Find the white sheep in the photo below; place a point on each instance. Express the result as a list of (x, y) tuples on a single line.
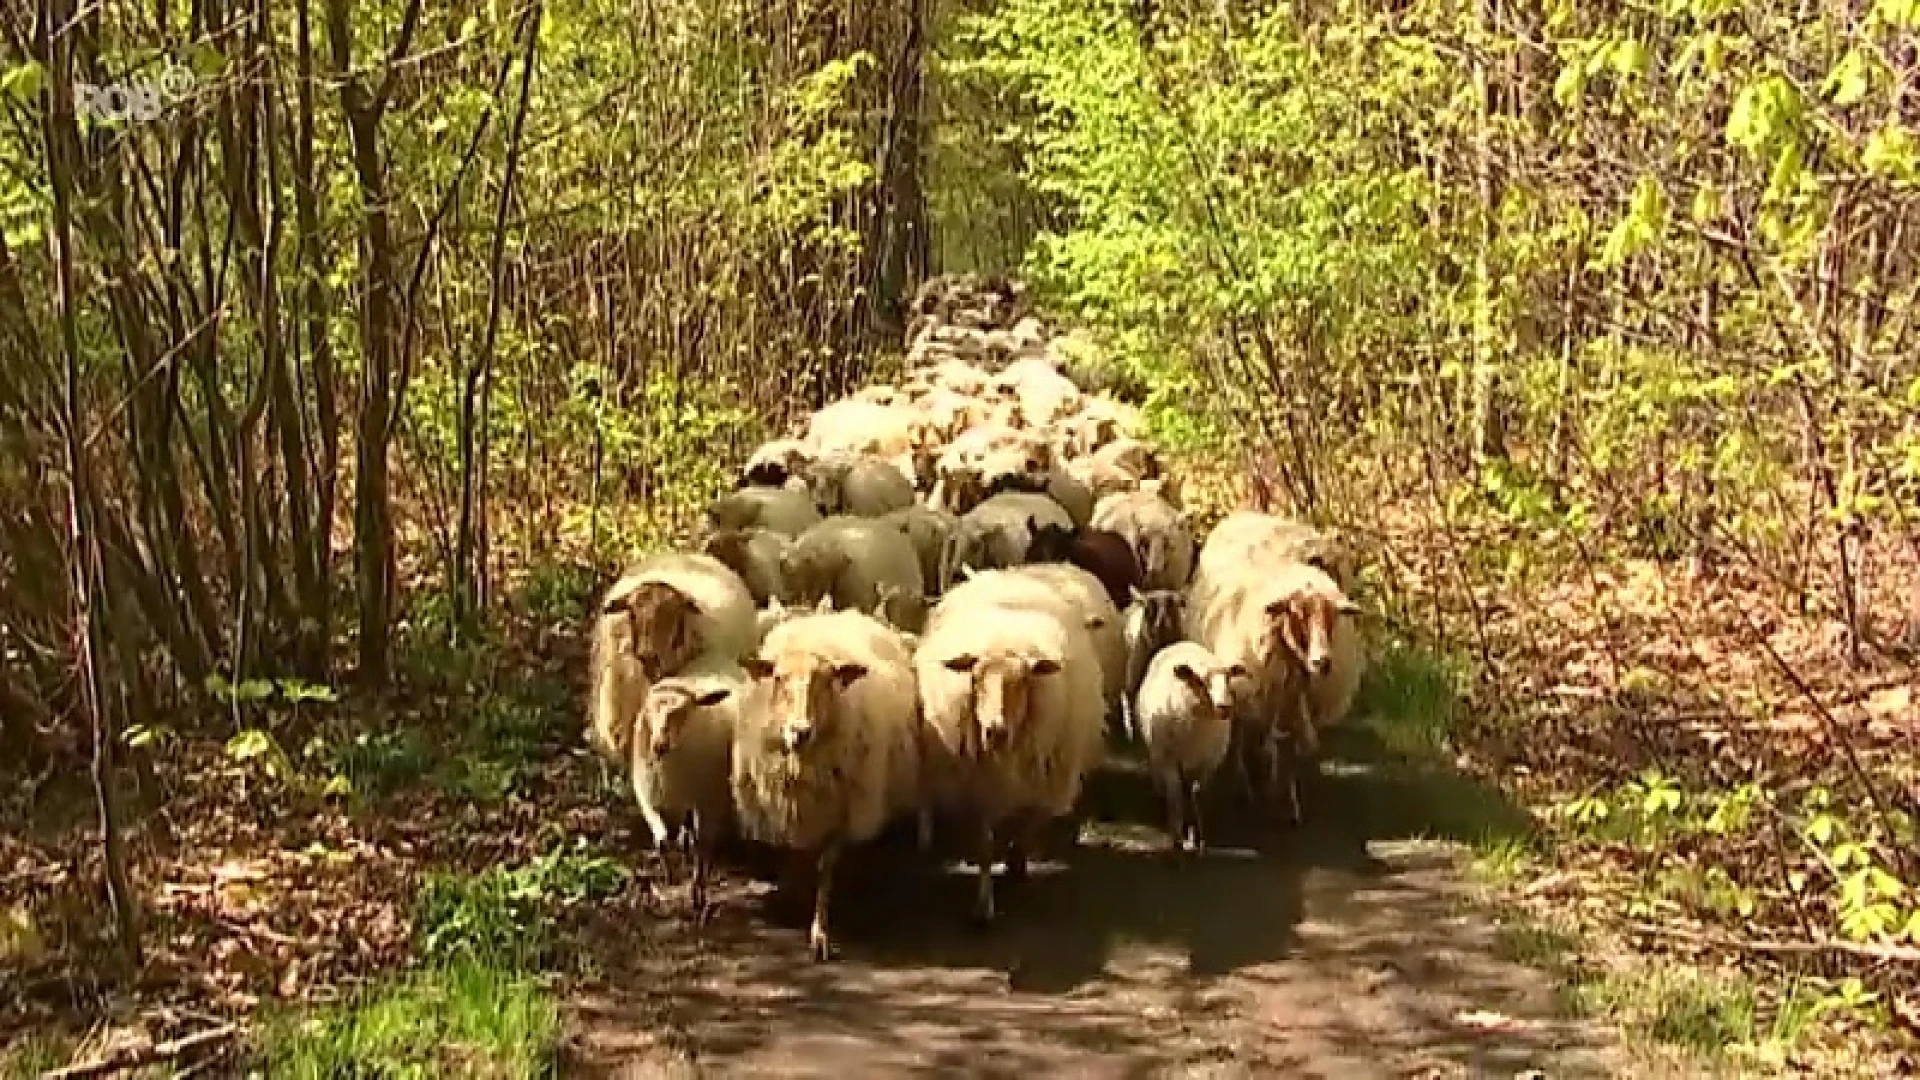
[(1282, 623), (1158, 533), (857, 484), (681, 757), (1252, 538), (1010, 698), (831, 750), (862, 564), (1184, 710), (851, 426), (785, 510), (656, 619)]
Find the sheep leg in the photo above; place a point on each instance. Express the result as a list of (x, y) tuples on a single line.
[(1026, 839), (822, 893), (702, 837), (1176, 827), (983, 912), (1198, 828)]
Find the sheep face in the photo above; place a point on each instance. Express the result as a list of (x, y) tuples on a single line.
[(1002, 693), (1302, 624), (664, 715), (801, 696), (1214, 686), (660, 628)]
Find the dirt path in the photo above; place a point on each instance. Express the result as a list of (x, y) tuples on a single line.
[(1347, 953)]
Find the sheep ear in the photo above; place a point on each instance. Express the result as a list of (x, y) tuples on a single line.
[(825, 605), (713, 697), (962, 663), (1278, 608), (1186, 674), (1046, 665), (848, 674), (758, 666)]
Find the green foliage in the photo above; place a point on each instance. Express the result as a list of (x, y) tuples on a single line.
[(1411, 696), (498, 917), (464, 1018)]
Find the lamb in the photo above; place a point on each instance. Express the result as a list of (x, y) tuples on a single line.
[(655, 620), (1010, 699), (773, 463), (1149, 623), (1280, 622), (681, 757), (1158, 534), (929, 531), (1103, 554), (1184, 711), (754, 554), (862, 564), (785, 510), (857, 484), (830, 752)]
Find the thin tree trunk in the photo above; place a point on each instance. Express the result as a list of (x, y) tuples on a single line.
[(62, 143), (468, 587)]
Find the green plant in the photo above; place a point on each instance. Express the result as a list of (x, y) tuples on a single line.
[(497, 916)]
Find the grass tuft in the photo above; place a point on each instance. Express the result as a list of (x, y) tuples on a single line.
[(466, 1019)]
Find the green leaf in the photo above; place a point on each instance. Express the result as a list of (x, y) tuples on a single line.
[(22, 82), (1572, 83), (1763, 112), (1901, 13), (1848, 82), (249, 744), (1891, 154), (254, 690), (1630, 58)]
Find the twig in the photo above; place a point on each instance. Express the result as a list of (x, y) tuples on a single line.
[(131, 1057), (1890, 954)]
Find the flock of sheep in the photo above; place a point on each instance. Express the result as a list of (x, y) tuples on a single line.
[(939, 603)]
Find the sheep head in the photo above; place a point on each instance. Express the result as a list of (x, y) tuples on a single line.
[(1002, 693), (1213, 686), (775, 462), (803, 686), (664, 714), (1050, 542), (1160, 612), (808, 571), (1302, 618), (662, 635)]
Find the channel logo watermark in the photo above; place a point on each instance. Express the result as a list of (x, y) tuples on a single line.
[(137, 101)]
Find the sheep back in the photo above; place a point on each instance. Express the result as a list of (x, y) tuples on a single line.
[(785, 510), (862, 564)]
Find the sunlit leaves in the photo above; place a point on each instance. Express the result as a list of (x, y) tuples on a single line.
[(1764, 112), (22, 82), (1893, 154), (1849, 80), (1645, 220)]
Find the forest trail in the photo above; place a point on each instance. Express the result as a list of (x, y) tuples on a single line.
[(1347, 951)]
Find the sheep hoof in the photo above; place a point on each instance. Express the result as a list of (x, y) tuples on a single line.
[(819, 946)]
